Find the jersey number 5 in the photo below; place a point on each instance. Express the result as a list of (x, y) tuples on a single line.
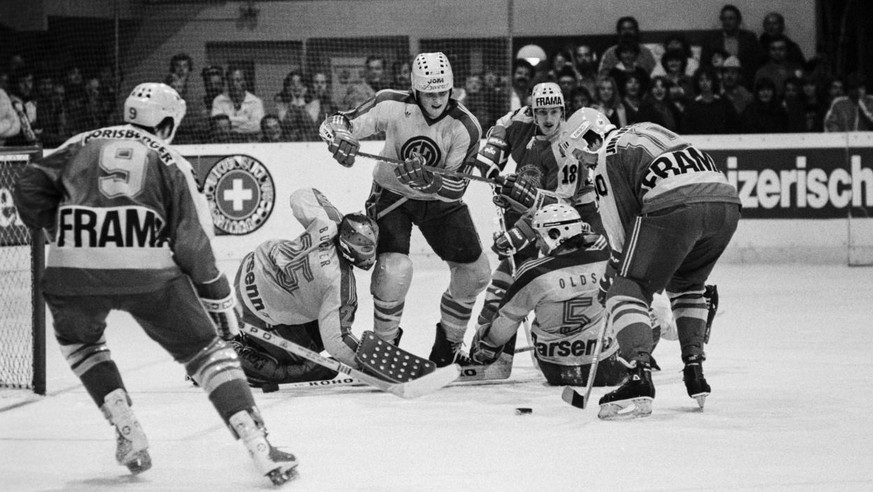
[(125, 163)]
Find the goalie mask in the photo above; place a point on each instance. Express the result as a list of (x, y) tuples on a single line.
[(557, 223), (581, 133), (149, 104), (544, 97), (432, 72), (356, 239)]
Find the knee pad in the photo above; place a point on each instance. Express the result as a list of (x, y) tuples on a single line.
[(469, 279), (215, 365), (392, 276)]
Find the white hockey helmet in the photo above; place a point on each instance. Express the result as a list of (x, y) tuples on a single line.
[(581, 130), (357, 238), (556, 223), (150, 103), (546, 95), (432, 72)]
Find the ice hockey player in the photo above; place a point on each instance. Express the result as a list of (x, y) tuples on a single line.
[(530, 136), (304, 290), (129, 231), (561, 288), (423, 126), (669, 214)]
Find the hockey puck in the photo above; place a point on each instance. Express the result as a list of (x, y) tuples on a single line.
[(523, 411)]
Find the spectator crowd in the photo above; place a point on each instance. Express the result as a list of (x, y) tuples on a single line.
[(740, 83)]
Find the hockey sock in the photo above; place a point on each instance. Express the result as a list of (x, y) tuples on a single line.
[(454, 315), (386, 317), (500, 282), (231, 397), (690, 311), (632, 326), (100, 380)]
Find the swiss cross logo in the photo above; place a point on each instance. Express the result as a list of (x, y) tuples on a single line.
[(424, 146), (241, 194)]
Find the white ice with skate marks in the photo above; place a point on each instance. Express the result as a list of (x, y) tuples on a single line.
[(788, 361)]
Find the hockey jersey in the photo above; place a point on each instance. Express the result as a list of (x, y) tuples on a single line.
[(450, 141), (562, 292), (292, 282), (123, 213), (643, 168)]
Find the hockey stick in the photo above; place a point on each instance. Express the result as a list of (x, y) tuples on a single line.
[(569, 394), (435, 170), (410, 389)]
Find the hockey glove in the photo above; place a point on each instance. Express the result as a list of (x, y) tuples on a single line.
[(515, 239), (608, 277), (413, 174), (492, 158), (482, 351), (344, 147), (218, 300), (512, 192)]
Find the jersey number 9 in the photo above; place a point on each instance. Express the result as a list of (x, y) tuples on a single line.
[(125, 162)]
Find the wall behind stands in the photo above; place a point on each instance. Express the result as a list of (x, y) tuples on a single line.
[(797, 191)]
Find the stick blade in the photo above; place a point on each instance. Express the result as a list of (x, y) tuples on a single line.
[(570, 396), (430, 382)]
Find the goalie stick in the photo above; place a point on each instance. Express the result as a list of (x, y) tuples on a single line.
[(569, 394), (410, 389), (435, 170)]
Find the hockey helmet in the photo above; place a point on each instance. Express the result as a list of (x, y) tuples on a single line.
[(582, 129), (150, 103), (546, 95), (357, 238), (555, 224), (432, 72)]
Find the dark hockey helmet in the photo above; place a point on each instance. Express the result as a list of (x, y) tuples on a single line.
[(357, 239)]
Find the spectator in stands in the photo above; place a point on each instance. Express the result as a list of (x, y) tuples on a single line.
[(374, 74), (181, 65), (735, 41), (402, 75), (708, 113), (4, 80), (579, 98), (732, 87), (678, 43), (814, 109), (93, 111), (560, 60), (244, 109), (474, 98), (10, 125), (292, 107), (566, 79), (682, 89), (853, 112), (21, 96), (774, 27), (522, 80), (496, 96), (51, 118), (778, 68), (321, 104), (794, 104), (628, 54), (634, 89), (585, 62), (356, 94), (213, 84), (220, 129), (271, 129), (75, 98), (836, 88), (628, 30), (764, 114), (657, 106), (608, 101), (293, 93)]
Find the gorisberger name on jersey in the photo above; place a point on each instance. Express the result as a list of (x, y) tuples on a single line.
[(116, 227)]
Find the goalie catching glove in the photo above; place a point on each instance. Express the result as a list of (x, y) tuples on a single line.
[(519, 237), (412, 173), (218, 300), (492, 158), (340, 141), (514, 193)]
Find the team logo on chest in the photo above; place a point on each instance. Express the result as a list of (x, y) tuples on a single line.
[(424, 146), (241, 194)]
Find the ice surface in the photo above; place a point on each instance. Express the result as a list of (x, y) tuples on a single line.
[(789, 363)]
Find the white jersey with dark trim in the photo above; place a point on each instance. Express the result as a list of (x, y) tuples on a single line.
[(450, 141), (643, 168)]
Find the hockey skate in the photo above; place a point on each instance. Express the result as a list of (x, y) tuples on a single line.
[(633, 398), (278, 466), (131, 444), (695, 383), (445, 352)]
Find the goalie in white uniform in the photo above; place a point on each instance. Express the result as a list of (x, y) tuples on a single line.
[(561, 288), (304, 290), (423, 126)]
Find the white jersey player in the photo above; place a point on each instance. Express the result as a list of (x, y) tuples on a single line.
[(423, 126), (304, 290)]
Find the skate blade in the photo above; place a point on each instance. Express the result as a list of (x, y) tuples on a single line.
[(701, 399), (625, 409), (138, 462), (280, 476)]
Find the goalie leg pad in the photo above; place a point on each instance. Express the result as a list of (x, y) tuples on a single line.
[(381, 358)]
